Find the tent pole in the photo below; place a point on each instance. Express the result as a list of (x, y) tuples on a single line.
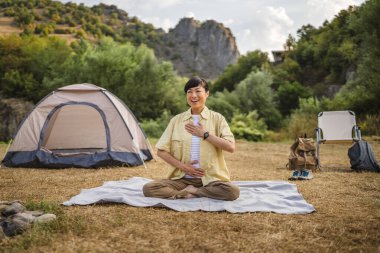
[(151, 150), (6, 151), (138, 152)]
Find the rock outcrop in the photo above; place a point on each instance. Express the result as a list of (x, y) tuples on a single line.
[(197, 48), (12, 111)]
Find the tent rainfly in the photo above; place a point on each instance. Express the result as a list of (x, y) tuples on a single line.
[(80, 125)]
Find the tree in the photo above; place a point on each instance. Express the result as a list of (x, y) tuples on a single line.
[(133, 74), (366, 85), (288, 95), (255, 93), (28, 63), (235, 73)]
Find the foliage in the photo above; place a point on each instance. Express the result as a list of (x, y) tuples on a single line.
[(31, 67), (304, 120), (26, 64), (235, 73), (226, 103), (134, 74), (255, 93), (155, 128), (288, 95), (248, 126), (325, 54), (98, 21), (362, 93), (370, 125)]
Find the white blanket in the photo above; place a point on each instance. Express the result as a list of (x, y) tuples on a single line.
[(255, 196)]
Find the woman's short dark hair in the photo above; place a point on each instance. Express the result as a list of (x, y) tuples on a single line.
[(194, 82)]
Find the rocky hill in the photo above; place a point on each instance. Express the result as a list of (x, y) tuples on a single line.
[(192, 46), (199, 48)]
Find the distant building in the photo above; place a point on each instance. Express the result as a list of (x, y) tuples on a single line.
[(278, 56)]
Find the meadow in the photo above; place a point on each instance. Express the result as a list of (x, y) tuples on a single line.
[(347, 217)]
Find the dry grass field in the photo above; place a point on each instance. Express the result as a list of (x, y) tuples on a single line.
[(347, 217)]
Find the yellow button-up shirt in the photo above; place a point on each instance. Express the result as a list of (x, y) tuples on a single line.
[(177, 141)]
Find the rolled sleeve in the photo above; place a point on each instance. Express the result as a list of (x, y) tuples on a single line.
[(225, 131)]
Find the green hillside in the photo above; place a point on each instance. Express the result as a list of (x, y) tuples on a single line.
[(46, 17)]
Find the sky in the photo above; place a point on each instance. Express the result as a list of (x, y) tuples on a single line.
[(263, 24)]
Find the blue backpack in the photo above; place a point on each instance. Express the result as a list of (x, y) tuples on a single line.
[(362, 157)]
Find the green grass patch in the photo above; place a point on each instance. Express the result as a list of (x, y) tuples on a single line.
[(47, 207)]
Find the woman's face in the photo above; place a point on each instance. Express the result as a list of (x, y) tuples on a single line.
[(196, 98)]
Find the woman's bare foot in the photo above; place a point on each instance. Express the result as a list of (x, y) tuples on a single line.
[(191, 190)]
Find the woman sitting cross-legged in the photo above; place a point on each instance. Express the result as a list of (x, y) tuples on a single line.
[(193, 144)]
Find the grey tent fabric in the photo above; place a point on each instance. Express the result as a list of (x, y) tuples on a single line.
[(255, 196)]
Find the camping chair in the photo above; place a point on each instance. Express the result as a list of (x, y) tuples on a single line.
[(336, 127)]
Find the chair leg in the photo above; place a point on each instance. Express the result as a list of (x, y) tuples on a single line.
[(318, 158)]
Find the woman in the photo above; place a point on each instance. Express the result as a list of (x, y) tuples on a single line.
[(193, 145)]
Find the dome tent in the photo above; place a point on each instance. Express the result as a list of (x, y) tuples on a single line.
[(80, 125)]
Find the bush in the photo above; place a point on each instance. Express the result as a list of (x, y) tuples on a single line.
[(155, 128), (255, 93), (248, 126), (304, 120), (226, 103), (370, 125), (288, 95)]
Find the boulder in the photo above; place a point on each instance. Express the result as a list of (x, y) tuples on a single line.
[(12, 111), (24, 217), (45, 218), (12, 227), (35, 213), (14, 208)]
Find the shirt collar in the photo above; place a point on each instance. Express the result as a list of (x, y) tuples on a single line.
[(204, 114)]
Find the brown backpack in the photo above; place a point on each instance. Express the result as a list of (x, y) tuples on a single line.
[(302, 155)]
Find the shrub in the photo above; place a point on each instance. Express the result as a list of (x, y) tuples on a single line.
[(370, 125), (304, 120), (155, 128), (248, 126)]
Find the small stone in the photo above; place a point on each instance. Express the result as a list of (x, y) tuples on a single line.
[(35, 213), (12, 227), (24, 217), (45, 218), (13, 209), (2, 202)]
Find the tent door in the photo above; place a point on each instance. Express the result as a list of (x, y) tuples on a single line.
[(75, 129)]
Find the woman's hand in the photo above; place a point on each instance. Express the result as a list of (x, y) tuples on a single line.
[(190, 170), (195, 130), (213, 139)]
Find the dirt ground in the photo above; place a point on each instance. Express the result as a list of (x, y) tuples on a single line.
[(347, 217)]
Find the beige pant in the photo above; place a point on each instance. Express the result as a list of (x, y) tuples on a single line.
[(173, 189)]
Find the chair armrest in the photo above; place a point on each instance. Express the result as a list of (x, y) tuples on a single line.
[(318, 134), (357, 133)]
